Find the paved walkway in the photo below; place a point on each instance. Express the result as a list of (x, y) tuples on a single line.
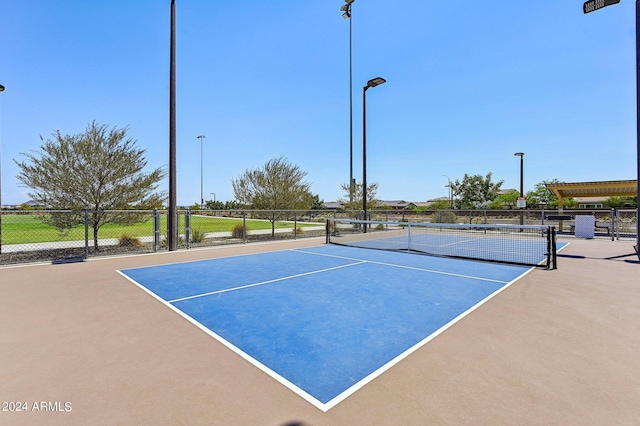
[(83, 346)]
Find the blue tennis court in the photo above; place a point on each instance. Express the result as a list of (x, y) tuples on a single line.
[(326, 320)]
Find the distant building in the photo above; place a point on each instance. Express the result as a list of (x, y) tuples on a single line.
[(396, 204), (333, 205)]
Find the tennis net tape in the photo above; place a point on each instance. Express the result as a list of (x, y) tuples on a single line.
[(529, 245)]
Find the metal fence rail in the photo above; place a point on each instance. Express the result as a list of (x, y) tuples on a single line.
[(58, 236), (47, 235)]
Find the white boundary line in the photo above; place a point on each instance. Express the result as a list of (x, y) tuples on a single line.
[(324, 407), (350, 391), (318, 404), (264, 282), (433, 271)]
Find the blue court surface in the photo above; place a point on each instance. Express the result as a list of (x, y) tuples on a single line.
[(326, 320)]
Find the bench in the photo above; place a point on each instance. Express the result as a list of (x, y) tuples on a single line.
[(559, 217)]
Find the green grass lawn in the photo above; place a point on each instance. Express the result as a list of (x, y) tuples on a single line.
[(22, 229)]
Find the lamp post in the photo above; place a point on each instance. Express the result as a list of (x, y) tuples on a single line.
[(450, 191), (590, 6), (201, 173), (172, 220), (371, 83), (346, 9), (521, 155)]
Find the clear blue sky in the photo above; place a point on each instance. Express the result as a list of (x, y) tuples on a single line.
[(469, 83)]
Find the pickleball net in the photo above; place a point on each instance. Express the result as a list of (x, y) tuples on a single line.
[(529, 245)]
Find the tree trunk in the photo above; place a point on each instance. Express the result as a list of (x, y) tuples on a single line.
[(95, 238)]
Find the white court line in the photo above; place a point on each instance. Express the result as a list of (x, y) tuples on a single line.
[(363, 382), (271, 373), (405, 267), (264, 282), (324, 407)]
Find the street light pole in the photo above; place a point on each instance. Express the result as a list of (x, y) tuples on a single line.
[(371, 83), (201, 173), (346, 8), (521, 155), (172, 220), (450, 191)]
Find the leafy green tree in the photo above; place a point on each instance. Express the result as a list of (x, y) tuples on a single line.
[(275, 187), (541, 196), (234, 205), (475, 191), (99, 170), (620, 202), (436, 205), (354, 193), (316, 202), (227, 205), (214, 205), (509, 200)]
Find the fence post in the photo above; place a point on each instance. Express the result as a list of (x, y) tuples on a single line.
[(86, 233), (244, 226), (613, 223), (295, 224), (156, 230), (327, 230), (187, 228)]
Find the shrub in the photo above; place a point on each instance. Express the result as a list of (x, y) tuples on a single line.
[(444, 217), (238, 231), (197, 235), (126, 240), (379, 227), (165, 243), (298, 231)]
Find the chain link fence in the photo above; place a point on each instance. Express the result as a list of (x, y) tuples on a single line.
[(63, 236), (613, 224)]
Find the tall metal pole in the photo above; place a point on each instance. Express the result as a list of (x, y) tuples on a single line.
[(172, 220), (351, 181), (346, 8), (201, 173), (521, 155), (522, 176), (371, 83), (450, 191), (364, 154)]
